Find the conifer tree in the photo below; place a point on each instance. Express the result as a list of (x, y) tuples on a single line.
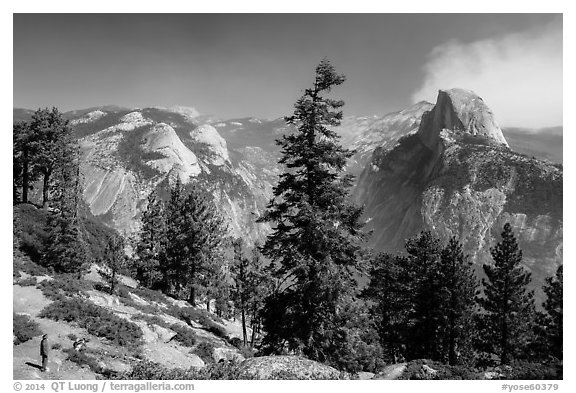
[(554, 310), (53, 143), (192, 257), (151, 244), (458, 293), (316, 236), (23, 152), (390, 296), (65, 249), (114, 260), (425, 282), (508, 305), (240, 270)]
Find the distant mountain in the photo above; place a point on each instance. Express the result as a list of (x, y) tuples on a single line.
[(545, 144), (447, 167), (457, 176), (126, 154)]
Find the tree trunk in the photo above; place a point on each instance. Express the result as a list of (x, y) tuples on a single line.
[(25, 178), (192, 297), (45, 191), (244, 327), (112, 282), (254, 327)]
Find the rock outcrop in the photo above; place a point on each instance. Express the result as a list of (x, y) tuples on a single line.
[(462, 112), (457, 176), (288, 367), (126, 155)]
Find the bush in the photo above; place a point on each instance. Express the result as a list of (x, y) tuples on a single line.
[(247, 352), (212, 327), (24, 328), (72, 337), (57, 346), (205, 350), (529, 370), (415, 370), (27, 282), (97, 320), (147, 370), (151, 320), (64, 285), (184, 335), (83, 359)]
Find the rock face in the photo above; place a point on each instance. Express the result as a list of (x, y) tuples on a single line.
[(289, 367), (457, 176), (128, 154), (463, 113), (365, 134)]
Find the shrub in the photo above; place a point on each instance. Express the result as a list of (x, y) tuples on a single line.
[(415, 370), (72, 337), (57, 346), (184, 335), (151, 320), (97, 320), (205, 351), (147, 370), (64, 285), (529, 370), (24, 328), (212, 327), (247, 352), (27, 282), (83, 359)]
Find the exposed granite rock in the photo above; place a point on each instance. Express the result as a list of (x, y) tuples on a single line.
[(290, 367), (457, 176)]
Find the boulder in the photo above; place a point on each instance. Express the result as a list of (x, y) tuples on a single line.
[(287, 367), (226, 354)]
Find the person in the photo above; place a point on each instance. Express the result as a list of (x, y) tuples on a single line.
[(44, 352), (79, 344)]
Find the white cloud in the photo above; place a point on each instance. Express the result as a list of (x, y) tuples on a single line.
[(519, 76)]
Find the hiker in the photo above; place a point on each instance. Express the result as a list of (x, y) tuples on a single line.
[(79, 344), (44, 352)]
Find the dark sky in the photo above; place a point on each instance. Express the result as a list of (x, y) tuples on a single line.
[(235, 65)]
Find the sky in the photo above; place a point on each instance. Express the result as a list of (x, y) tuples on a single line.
[(239, 65)]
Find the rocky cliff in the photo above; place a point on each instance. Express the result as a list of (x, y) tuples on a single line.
[(457, 176), (127, 154)]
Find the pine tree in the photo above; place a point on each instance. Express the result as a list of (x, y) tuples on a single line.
[(151, 243), (389, 294), (192, 256), (317, 233), (241, 293), (508, 305), (425, 282), (114, 261), (53, 142), (458, 293), (23, 152), (554, 310), (65, 249)]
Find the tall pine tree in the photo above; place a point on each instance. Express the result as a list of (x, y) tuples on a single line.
[(66, 249), (53, 143), (315, 242), (508, 304), (554, 310), (114, 260), (459, 289), (151, 243)]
